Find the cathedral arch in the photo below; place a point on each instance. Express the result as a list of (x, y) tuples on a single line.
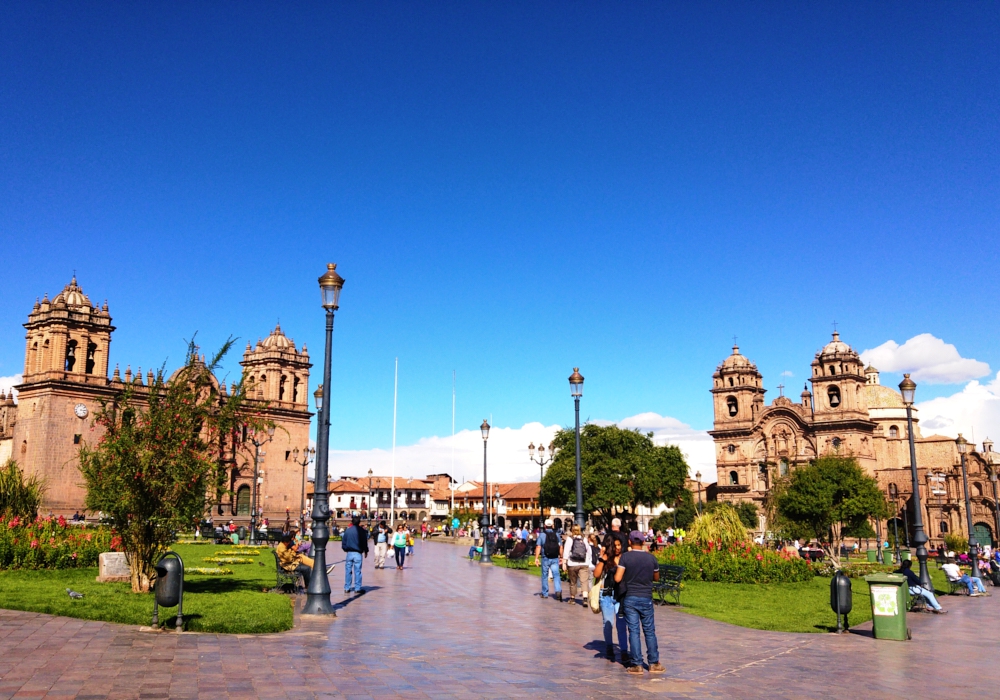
[(833, 395), (733, 405), (70, 361), (734, 478)]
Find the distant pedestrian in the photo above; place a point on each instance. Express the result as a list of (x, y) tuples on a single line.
[(607, 565), (381, 537), (576, 561), (637, 569), (399, 546), (355, 543), (548, 552)]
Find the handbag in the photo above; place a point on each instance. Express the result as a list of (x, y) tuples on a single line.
[(594, 597)]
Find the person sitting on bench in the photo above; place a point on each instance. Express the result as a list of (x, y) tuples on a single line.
[(294, 561), (955, 575), (913, 581)]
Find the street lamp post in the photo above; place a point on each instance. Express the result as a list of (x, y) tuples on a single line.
[(541, 461), (894, 495), (307, 456), (576, 391), (257, 454), (963, 447), (908, 388), (485, 557), (988, 449), (697, 475), (318, 593), (369, 511)]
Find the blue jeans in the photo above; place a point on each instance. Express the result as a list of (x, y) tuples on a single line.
[(352, 572), (550, 565), (304, 571), (926, 595), (609, 611), (400, 555), (640, 610), (974, 584)]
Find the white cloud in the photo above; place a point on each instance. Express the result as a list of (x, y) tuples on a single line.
[(787, 373), (974, 411), (508, 451), (7, 383), (927, 358)]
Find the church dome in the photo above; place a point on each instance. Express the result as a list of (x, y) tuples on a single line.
[(72, 295), (883, 397), (278, 340), (836, 346), (737, 361)]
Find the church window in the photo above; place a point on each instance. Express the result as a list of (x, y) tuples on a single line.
[(783, 468), (734, 478), (834, 394), (91, 357), (730, 381), (734, 407), (893, 431), (977, 490), (70, 356), (295, 390), (281, 388), (288, 454), (944, 527), (77, 438), (831, 369), (732, 449), (243, 500), (33, 360), (836, 443)]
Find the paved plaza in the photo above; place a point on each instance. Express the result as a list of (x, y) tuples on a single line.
[(449, 628)]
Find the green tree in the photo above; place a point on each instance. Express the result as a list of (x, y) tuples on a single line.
[(158, 457), (20, 495), (745, 510), (621, 470), (830, 498)]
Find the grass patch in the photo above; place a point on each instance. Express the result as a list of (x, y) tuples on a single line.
[(234, 603)]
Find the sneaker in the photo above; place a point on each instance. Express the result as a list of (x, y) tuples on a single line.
[(558, 596), (940, 611), (975, 595), (610, 656), (361, 591), (544, 596), (657, 668), (634, 670), (347, 591)]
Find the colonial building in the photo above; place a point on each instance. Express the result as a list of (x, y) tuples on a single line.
[(67, 357), (842, 410)]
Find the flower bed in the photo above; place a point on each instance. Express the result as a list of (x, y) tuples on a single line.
[(853, 569), (51, 543), (740, 563), (228, 560), (208, 571), (238, 553)]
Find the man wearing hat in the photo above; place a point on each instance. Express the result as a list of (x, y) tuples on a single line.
[(637, 569)]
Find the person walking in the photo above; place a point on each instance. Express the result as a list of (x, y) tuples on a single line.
[(607, 565), (381, 538), (637, 569), (355, 542), (576, 562), (399, 546), (547, 555)]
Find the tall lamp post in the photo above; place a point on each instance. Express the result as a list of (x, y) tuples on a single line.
[(541, 461), (697, 475), (988, 449), (369, 511), (308, 454), (318, 593), (894, 495), (908, 388), (257, 454), (576, 391), (485, 557), (963, 448)]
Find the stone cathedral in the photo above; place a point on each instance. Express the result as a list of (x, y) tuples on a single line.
[(843, 409), (67, 357)]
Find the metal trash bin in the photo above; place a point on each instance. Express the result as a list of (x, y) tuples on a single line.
[(242, 533), (872, 555), (841, 598), (169, 587), (889, 598)]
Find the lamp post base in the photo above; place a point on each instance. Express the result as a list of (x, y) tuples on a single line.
[(318, 606)]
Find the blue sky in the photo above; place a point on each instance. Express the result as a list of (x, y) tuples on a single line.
[(510, 189)]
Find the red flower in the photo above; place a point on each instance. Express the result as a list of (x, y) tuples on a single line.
[(760, 557), (34, 544)]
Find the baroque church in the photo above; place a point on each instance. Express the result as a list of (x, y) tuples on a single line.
[(844, 410), (65, 378)]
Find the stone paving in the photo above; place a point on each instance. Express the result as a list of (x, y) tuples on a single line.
[(446, 627)]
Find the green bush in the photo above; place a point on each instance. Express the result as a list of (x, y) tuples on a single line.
[(50, 543), (20, 495), (740, 563), (955, 542), (853, 569)]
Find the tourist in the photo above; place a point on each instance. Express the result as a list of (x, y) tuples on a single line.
[(913, 581), (355, 542), (293, 561), (547, 554), (381, 538), (576, 562), (973, 583), (409, 541), (423, 531), (399, 546), (610, 607), (595, 553), (637, 569), (616, 530)]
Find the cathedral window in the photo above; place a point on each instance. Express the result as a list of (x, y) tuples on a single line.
[(281, 388), (944, 527), (731, 449), (91, 357), (783, 468), (734, 407), (893, 431), (834, 394), (295, 390), (730, 381), (836, 443), (831, 369), (734, 478), (70, 356)]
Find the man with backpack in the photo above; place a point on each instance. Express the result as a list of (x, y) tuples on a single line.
[(576, 561), (549, 549)]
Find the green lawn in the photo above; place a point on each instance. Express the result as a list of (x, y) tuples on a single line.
[(234, 604), (785, 607)]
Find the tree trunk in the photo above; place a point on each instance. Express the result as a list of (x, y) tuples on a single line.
[(140, 563)]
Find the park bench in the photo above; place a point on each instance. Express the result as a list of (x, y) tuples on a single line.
[(518, 558), (669, 583), (284, 578)]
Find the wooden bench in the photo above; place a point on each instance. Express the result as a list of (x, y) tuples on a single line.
[(284, 578), (669, 583)]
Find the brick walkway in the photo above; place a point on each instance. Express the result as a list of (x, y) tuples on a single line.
[(446, 627)]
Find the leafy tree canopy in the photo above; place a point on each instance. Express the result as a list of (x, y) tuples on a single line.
[(621, 470)]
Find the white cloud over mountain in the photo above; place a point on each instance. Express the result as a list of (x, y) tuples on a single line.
[(974, 411), (508, 451), (927, 358)]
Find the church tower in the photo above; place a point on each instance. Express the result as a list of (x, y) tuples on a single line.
[(737, 392)]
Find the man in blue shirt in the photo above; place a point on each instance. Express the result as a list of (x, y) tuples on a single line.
[(355, 543), (549, 549)]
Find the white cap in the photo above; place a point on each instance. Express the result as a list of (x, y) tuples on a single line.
[(549, 522), (616, 522)]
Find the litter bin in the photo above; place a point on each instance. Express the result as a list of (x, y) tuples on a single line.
[(872, 555), (888, 596), (242, 533), (904, 554), (169, 587)]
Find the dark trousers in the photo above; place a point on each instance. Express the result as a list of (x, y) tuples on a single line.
[(400, 555), (304, 571)]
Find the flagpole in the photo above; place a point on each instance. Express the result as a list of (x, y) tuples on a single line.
[(451, 479), (392, 488)]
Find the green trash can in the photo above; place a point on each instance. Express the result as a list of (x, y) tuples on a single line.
[(889, 598), (872, 556), (904, 554)]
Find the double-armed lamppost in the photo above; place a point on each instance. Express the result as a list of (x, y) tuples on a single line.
[(576, 391), (963, 448), (541, 461), (318, 593), (257, 454), (485, 557), (908, 388), (308, 453)]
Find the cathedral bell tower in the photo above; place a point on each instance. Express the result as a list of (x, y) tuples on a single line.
[(838, 380), (737, 392)]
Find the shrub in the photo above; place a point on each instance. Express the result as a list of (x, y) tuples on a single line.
[(49, 543), (739, 563), (956, 542), (20, 495), (853, 569), (721, 527)]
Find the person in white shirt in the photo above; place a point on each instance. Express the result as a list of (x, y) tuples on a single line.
[(974, 584), (576, 561)]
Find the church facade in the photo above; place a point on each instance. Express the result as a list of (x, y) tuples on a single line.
[(66, 377), (844, 410)]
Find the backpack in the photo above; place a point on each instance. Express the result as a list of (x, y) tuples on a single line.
[(578, 552), (551, 547)]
